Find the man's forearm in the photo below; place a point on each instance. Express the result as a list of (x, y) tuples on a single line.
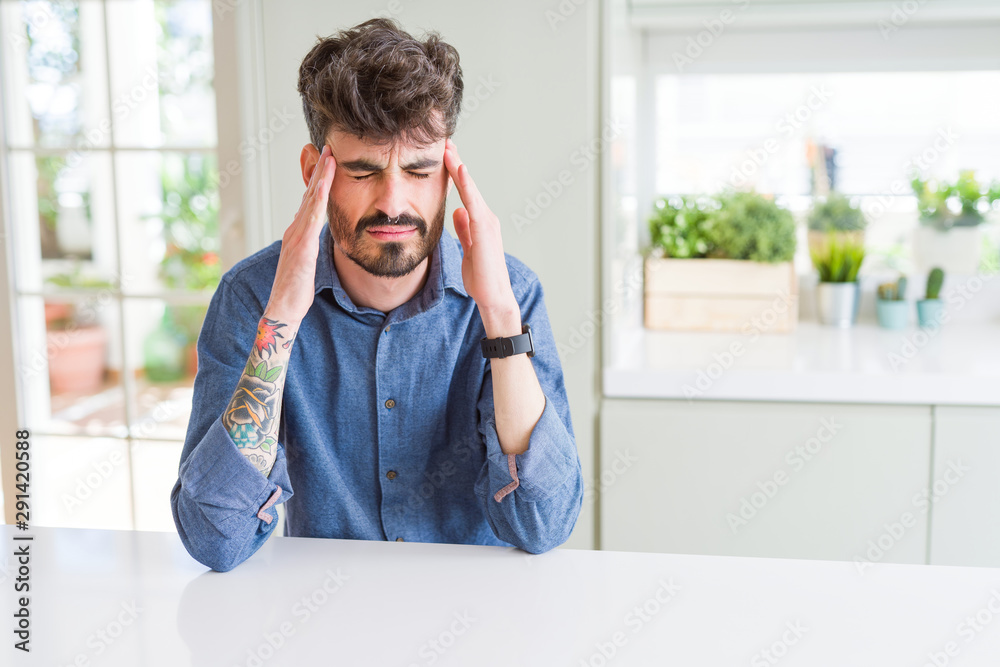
[(518, 400), (253, 414)]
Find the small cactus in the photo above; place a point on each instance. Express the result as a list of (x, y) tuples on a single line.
[(893, 291), (935, 279)]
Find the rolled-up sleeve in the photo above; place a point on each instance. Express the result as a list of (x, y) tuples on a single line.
[(223, 507), (532, 500)]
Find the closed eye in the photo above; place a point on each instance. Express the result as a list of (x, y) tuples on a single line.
[(412, 173)]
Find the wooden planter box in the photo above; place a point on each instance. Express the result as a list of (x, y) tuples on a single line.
[(720, 295)]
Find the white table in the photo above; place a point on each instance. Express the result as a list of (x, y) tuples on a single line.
[(407, 603)]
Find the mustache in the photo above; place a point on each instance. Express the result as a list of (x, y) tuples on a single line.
[(382, 220)]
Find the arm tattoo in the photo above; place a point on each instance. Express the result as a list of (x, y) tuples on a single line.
[(252, 416)]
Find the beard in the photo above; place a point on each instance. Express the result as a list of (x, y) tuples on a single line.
[(385, 259)]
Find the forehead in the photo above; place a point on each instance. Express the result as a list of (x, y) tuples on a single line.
[(347, 146)]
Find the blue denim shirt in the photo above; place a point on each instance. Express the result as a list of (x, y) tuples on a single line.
[(427, 469)]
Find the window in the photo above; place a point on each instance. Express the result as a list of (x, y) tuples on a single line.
[(865, 133), (697, 106), (110, 141)]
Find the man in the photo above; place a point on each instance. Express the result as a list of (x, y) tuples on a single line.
[(369, 401)]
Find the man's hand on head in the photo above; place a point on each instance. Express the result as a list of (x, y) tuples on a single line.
[(294, 280), (484, 267)]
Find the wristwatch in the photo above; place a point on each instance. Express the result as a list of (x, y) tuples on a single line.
[(498, 348)]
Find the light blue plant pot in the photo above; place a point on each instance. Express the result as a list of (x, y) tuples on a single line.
[(930, 312), (892, 314)]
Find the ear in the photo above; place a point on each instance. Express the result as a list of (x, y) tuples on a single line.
[(308, 160)]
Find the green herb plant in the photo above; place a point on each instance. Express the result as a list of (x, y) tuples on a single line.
[(839, 259), (681, 226), (751, 226), (944, 205), (836, 213), (734, 225)]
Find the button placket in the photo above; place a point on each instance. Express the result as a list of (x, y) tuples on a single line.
[(387, 435)]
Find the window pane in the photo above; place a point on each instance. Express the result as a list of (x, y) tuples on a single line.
[(155, 463), (162, 70), (63, 219), (85, 482), (169, 208), (162, 340), (55, 73), (871, 129), (71, 364)]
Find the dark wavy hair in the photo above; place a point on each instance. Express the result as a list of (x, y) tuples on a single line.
[(380, 84)]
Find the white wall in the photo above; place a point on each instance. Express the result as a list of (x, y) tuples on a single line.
[(530, 127)]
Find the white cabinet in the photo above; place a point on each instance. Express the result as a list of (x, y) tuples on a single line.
[(965, 489), (825, 481)]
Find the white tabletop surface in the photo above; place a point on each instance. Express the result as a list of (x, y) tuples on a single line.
[(957, 364), (389, 603)]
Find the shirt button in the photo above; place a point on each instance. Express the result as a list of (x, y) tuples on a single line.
[(391, 474), (400, 539), (390, 404), (387, 328)]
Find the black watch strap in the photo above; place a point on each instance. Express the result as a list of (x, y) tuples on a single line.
[(498, 348)]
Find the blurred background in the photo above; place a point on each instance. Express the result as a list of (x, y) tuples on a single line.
[(721, 198)]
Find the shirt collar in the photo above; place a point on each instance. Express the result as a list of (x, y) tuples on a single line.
[(445, 271)]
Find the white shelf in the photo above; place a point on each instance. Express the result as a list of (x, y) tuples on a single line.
[(957, 365)]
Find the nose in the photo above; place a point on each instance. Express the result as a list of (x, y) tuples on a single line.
[(392, 193)]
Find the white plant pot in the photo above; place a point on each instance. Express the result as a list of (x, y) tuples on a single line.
[(837, 303), (956, 250)]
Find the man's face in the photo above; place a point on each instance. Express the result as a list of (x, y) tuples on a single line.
[(387, 203)]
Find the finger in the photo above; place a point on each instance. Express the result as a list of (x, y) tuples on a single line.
[(312, 176), (306, 204), (321, 189), (312, 210), (461, 219), (325, 180), (467, 189), (317, 172)]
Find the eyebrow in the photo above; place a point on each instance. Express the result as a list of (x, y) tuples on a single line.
[(363, 164)]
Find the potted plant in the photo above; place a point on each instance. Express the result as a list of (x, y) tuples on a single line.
[(835, 213), (75, 339), (930, 309), (164, 351), (679, 227), (190, 217), (949, 235), (718, 263), (890, 306), (750, 226), (838, 294)]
